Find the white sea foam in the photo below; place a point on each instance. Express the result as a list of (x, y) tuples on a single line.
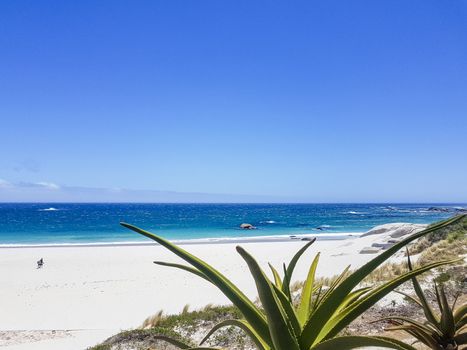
[(218, 240), (49, 209)]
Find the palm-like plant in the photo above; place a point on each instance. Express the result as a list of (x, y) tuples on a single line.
[(444, 331), (313, 324)]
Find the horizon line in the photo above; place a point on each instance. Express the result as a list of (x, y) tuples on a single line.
[(137, 202)]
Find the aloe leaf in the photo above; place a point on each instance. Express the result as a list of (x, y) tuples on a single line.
[(245, 326), (183, 267), (286, 283), (293, 262), (251, 313), (461, 323), (431, 340), (409, 297), (421, 336), (453, 306), (448, 325), (353, 297), (438, 298), (429, 314), (334, 284), (322, 296), (424, 327), (291, 267), (354, 342), (461, 339), (326, 309), (175, 342), (460, 313), (303, 309), (280, 327), (277, 278), (336, 324), (289, 310), (316, 299)]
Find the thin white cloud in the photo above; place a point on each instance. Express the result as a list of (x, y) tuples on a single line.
[(44, 191), (115, 189), (49, 185), (5, 184)]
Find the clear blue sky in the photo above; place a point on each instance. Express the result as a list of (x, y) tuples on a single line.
[(320, 101)]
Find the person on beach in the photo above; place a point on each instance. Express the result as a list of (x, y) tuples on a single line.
[(40, 263)]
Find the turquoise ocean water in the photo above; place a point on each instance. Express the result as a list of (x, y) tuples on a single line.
[(73, 223)]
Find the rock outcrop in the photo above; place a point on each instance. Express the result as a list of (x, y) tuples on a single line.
[(246, 226), (456, 210), (395, 230), (385, 236)]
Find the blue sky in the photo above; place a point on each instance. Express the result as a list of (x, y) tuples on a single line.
[(320, 101)]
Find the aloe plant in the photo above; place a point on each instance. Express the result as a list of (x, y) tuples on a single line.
[(446, 330), (313, 324)]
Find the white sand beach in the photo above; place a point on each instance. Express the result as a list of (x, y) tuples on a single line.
[(82, 295)]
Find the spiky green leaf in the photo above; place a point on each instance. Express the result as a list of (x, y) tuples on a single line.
[(245, 326), (303, 309), (288, 271), (429, 314), (175, 342), (184, 268), (280, 327), (355, 342), (277, 278)]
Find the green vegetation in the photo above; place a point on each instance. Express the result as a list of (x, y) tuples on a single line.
[(184, 327), (454, 233), (446, 330), (312, 323)]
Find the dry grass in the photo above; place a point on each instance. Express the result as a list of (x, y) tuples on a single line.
[(386, 272), (186, 309), (153, 321), (446, 249), (450, 233)]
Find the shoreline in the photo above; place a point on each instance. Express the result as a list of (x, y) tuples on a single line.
[(214, 240)]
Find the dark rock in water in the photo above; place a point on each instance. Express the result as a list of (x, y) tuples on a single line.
[(306, 239), (246, 226), (439, 210), (447, 210)]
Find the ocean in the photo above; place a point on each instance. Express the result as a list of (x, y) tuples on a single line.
[(77, 223)]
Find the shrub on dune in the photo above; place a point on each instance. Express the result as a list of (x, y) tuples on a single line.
[(446, 330)]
